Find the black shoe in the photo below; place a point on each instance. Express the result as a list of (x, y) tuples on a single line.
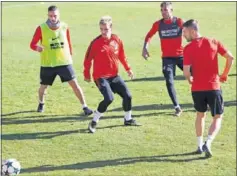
[(131, 122), (207, 150), (178, 112), (40, 107), (92, 126), (198, 151), (87, 111)]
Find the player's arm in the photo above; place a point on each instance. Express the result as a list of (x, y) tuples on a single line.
[(69, 41), (36, 38), (229, 62), (187, 65), (148, 37), (88, 62), (123, 60)]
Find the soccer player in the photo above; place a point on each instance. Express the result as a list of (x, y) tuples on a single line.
[(56, 57), (202, 55), (169, 29), (105, 52)]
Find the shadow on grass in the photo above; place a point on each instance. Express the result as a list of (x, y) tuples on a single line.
[(157, 78), (232, 74), (19, 112), (154, 107), (49, 135), (72, 118), (115, 162)]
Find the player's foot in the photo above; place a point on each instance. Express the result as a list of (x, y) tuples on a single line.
[(40, 107), (131, 122), (87, 111), (207, 150), (198, 151), (178, 112), (92, 126)]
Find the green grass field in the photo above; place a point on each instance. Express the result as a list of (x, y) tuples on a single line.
[(56, 143)]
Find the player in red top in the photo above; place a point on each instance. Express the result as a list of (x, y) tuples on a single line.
[(202, 55), (105, 52), (169, 29), (48, 74)]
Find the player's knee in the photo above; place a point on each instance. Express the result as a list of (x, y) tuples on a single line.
[(201, 114), (128, 97), (109, 100), (217, 116)]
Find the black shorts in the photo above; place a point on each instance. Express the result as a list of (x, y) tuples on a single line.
[(48, 74), (169, 65), (108, 86), (212, 98)]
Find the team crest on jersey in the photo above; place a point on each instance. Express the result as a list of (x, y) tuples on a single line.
[(114, 44)]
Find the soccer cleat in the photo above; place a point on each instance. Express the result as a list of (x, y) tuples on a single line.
[(87, 111), (92, 126), (40, 107), (178, 112), (207, 150), (131, 122), (198, 151)]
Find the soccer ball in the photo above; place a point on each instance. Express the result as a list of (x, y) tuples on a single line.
[(10, 167)]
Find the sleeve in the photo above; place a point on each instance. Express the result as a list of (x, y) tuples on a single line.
[(153, 30), (180, 23), (69, 41), (221, 49), (122, 57), (88, 61), (187, 56), (36, 38)]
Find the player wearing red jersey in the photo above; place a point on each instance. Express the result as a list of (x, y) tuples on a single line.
[(169, 29), (105, 52), (202, 55)]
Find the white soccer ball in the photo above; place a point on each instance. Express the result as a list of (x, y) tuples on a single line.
[(10, 167)]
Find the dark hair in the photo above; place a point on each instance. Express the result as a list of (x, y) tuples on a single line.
[(165, 3), (191, 23), (52, 8)]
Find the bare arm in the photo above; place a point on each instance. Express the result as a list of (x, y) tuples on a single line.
[(229, 61), (187, 73)]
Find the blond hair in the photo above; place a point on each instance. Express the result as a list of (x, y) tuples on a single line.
[(106, 20)]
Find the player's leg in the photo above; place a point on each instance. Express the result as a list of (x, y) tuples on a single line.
[(216, 105), (168, 71), (118, 86), (105, 89), (179, 63), (200, 105), (47, 76), (67, 74)]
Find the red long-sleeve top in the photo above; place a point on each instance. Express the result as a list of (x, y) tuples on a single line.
[(38, 37), (171, 47), (105, 54)]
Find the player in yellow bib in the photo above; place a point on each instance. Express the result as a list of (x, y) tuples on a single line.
[(56, 57)]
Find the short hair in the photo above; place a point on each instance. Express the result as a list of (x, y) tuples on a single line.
[(192, 24), (106, 20), (52, 8), (165, 3)]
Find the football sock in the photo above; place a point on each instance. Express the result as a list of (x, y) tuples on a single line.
[(128, 115), (84, 105), (97, 116), (200, 141)]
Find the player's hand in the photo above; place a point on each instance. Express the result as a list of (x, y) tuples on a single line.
[(223, 78), (39, 49), (145, 53), (87, 80), (190, 80), (130, 74)]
